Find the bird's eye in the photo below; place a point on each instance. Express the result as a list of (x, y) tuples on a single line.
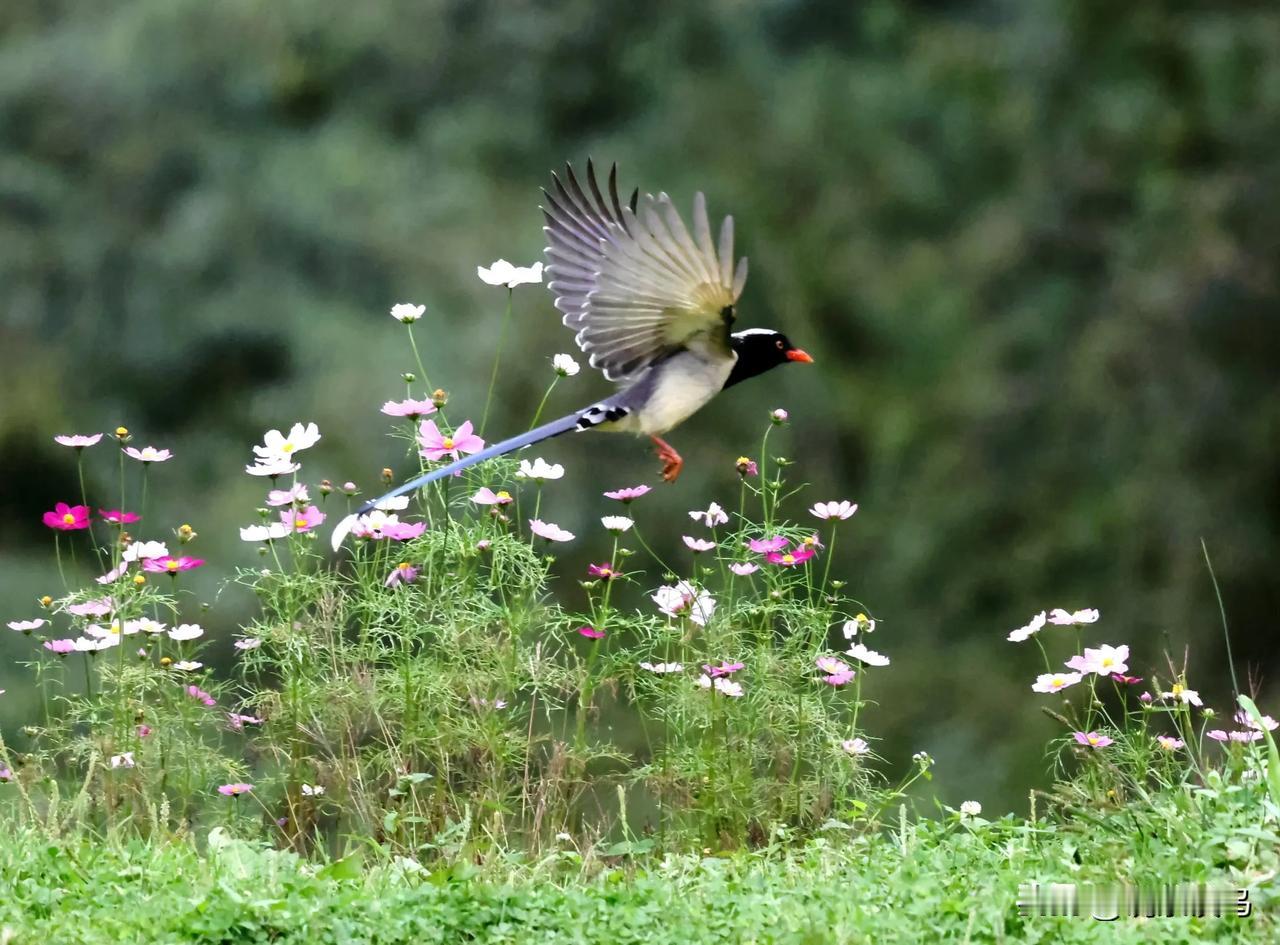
[(779, 344)]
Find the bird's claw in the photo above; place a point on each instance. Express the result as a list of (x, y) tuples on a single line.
[(672, 463)]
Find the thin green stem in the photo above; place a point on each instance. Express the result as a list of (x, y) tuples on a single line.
[(497, 360)]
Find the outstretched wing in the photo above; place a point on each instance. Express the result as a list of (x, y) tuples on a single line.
[(631, 280)]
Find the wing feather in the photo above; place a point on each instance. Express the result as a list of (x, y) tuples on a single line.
[(631, 279)]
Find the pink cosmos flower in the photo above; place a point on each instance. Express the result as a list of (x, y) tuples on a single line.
[(1218, 735), (831, 664), (144, 731), (1104, 660), (402, 573), (171, 565), (629, 494), (724, 669), (148, 454), (1245, 719), (697, 545), (5, 775), (763, 546), (235, 790), (296, 493), (25, 626), (1092, 739), (404, 531), (604, 571), (743, 568), (1055, 682), (1063, 618), (1168, 743), (747, 467), (789, 559), (302, 520), (591, 633), (77, 440), (195, 692), (99, 607), (486, 496), (236, 722), (67, 518), (855, 746), (116, 517), (435, 445), (248, 643), (549, 531), (61, 647), (829, 510), (413, 409), (1126, 680), (114, 574)]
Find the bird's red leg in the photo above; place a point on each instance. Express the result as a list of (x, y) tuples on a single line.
[(671, 461)]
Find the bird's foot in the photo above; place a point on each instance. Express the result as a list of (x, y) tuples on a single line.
[(671, 461)]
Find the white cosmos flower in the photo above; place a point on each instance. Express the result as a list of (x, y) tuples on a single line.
[(828, 510), (141, 550), (264, 532), (663, 667), (859, 624), (1027, 632), (722, 684), (407, 312), (312, 790), (616, 523), (278, 467), (503, 273), (26, 626), (539, 470), (186, 666), (277, 447), (684, 599), (970, 809), (713, 516), (88, 645), (124, 760), (186, 631), (1055, 682), (697, 545), (855, 746), (1062, 618), (147, 625), (564, 365), (859, 651)]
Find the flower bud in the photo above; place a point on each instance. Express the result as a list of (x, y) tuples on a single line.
[(46, 601), (350, 488), (325, 487), (387, 475), (779, 416), (165, 661), (122, 434), (439, 397), (408, 377), (139, 579), (186, 533)]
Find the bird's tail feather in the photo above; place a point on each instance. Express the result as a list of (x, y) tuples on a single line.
[(536, 435)]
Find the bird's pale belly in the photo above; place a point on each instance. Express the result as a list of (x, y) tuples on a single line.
[(685, 385)]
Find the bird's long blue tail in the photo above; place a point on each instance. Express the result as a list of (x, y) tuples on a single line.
[(536, 435)]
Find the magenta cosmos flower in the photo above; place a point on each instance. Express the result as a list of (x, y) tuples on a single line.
[(1092, 739), (148, 454), (435, 445), (67, 518), (789, 559), (762, 546), (413, 409), (302, 520), (235, 790), (724, 669), (629, 494), (76, 440), (117, 517), (402, 573), (591, 633), (604, 571), (171, 565)]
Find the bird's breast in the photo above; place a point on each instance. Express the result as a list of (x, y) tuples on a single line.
[(680, 386)]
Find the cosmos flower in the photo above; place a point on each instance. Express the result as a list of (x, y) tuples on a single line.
[(762, 546), (302, 520), (186, 666), (112, 629), (114, 574), (549, 531), (123, 760), (377, 525), (722, 685), (831, 664), (539, 470), (1103, 660), (1218, 735), (724, 669), (859, 624), (99, 607), (1092, 739), (591, 633), (279, 447), (867, 657), (402, 573), (617, 524), (67, 518), (248, 643), (503, 273), (147, 625), (269, 532), (684, 599), (1061, 618), (141, 550), (1180, 693), (486, 496), (743, 568), (711, 517), (1169, 743), (93, 645), (435, 445), (148, 454), (61, 647), (662, 668), (170, 565), (1126, 680), (1034, 626), (779, 416), (295, 493), (603, 571), (407, 312), (1245, 719), (186, 631), (828, 510), (564, 365), (789, 559), (630, 494), (855, 746), (76, 440), (970, 809), (117, 517), (746, 467), (1055, 682), (195, 692), (25, 626), (312, 790), (413, 409), (697, 545), (273, 468), (235, 790)]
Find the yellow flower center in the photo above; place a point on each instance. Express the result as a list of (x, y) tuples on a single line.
[(69, 519), (1107, 661), (1177, 689), (122, 431), (115, 628), (139, 579), (171, 565), (504, 495), (404, 565), (1059, 681), (447, 443), (300, 523), (286, 447), (788, 558), (1093, 739)]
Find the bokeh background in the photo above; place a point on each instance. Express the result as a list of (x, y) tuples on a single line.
[(1033, 245)]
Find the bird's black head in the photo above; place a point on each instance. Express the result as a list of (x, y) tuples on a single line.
[(759, 350)]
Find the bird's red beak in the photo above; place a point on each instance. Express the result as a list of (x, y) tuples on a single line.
[(795, 354)]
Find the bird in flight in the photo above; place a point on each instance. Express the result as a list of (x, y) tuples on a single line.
[(653, 306)]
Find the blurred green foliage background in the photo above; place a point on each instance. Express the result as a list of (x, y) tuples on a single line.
[(1033, 245)]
